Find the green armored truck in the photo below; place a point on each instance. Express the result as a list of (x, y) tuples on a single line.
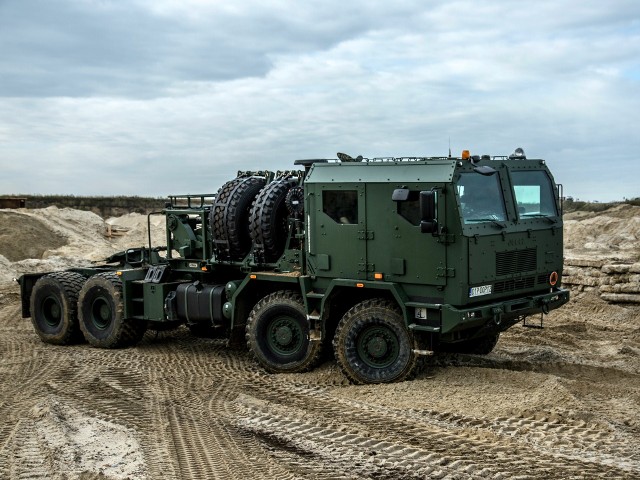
[(381, 261)]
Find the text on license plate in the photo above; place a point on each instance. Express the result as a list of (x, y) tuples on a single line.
[(478, 291)]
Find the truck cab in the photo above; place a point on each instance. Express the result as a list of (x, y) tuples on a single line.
[(469, 246)]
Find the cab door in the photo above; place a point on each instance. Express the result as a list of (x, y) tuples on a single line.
[(336, 231), (396, 247)]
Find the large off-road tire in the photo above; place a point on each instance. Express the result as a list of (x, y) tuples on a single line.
[(101, 314), (216, 216), (372, 344), (54, 307), (229, 217), (269, 218), (277, 334), (477, 346)]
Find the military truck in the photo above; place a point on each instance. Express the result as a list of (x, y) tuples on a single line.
[(380, 261)]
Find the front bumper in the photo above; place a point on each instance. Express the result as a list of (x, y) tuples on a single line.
[(501, 314)]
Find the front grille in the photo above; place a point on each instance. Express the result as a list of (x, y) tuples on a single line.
[(516, 261), (513, 285), (543, 278)]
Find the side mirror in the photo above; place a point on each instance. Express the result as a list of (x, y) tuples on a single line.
[(428, 221)]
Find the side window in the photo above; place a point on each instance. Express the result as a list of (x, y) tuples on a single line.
[(410, 208), (534, 193), (341, 205)]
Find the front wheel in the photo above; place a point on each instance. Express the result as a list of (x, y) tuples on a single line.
[(373, 345), (277, 334), (101, 314)]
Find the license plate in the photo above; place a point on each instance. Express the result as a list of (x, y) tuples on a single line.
[(479, 291), (421, 313)]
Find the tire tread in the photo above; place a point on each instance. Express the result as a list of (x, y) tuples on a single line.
[(129, 331), (388, 311), (289, 298)]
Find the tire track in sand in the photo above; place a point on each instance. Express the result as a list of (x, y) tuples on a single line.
[(455, 440)]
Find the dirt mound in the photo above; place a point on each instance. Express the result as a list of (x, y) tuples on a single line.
[(50, 239), (602, 253), (612, 234), (23, 236)]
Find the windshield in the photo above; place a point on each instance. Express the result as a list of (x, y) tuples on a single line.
[(481, 198), (534, 194)]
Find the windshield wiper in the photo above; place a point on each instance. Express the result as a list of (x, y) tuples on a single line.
[(539, 215)]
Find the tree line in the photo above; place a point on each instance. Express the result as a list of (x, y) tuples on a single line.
[(103, 206)]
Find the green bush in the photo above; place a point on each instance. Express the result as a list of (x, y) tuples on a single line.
[(571, 205)]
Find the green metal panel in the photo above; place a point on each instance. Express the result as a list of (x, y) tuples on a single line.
[(154, 295), (336, 250)]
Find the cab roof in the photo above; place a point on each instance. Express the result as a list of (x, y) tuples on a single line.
[(404, 169), (396, 170)]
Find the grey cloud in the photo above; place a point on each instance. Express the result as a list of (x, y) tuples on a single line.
[(73, 48)]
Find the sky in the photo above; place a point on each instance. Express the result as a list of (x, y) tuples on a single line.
[(161, 97)]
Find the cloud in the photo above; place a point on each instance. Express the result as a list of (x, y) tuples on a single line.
[(138, 49), (168, 97)]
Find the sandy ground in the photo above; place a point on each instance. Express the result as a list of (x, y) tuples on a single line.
[(562, 402)]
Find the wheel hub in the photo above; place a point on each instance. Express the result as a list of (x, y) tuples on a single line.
[(284, 335), (377, 347), (104, 312), (101, 313), (52, 311)]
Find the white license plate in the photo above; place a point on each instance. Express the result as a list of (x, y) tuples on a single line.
[(421, 313), (479, 291)]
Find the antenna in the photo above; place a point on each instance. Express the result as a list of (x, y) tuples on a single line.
[(449, 147)]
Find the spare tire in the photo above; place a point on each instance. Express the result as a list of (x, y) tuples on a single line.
[(270, 218), (229, 217)]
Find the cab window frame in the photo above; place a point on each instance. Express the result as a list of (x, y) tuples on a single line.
[(546, 194), (341, 205)]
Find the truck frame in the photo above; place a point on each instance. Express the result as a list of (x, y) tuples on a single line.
[(380, 261)]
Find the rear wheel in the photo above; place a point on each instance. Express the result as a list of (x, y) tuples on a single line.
[(101, 314), (54, 307), (277, 334), (373, 345)]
